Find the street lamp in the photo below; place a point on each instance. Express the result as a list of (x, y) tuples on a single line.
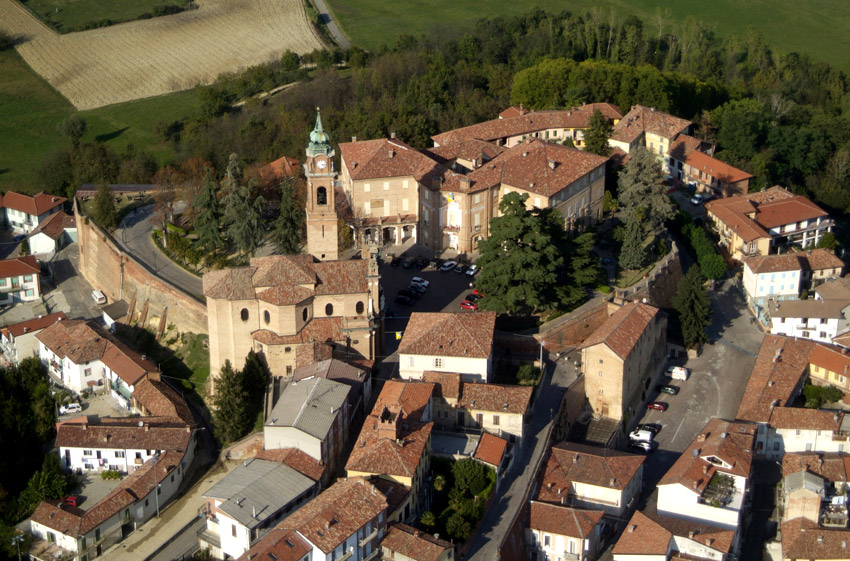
[(155, 485), (16, 540)]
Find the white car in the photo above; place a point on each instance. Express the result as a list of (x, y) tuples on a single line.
[(420, 281), (698, 199), (638, 435), (70, 408), (98, 296), (678, 372), (640, 445), (472, 270), (448, 266)]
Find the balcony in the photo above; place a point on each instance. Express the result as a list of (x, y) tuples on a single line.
[(451, 229), (209, 537), (370, 537), (14, 287)]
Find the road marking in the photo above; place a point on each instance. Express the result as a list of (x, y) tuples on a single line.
[(677, 430)]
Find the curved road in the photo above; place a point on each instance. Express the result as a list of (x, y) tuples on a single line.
[(336, 32), (134, 236)]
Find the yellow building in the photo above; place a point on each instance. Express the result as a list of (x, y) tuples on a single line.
[(829, 365)]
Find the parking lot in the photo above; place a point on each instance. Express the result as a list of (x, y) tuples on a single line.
[(716, 386)]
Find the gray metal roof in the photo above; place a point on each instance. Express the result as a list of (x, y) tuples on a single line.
[(257, 489), (336, 370), (804, 480), (309, 405)]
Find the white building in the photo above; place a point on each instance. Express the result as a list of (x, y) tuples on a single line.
[(345, 522), (53, 233), (23, 212), (20, 280), (710, 480), (818, 320), (661, 538), (557, 532), (795, 429), (448, 342), (248, 502), (18, 340)]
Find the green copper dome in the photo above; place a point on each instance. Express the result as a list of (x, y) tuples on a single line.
[(320, 142)]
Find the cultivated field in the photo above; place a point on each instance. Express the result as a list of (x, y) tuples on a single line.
[(152, 57)]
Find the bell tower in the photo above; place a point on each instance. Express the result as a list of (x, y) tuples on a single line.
[(321, 204)]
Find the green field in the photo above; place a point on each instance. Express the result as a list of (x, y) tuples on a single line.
[(67, 15), (30, 110), (820, 28)]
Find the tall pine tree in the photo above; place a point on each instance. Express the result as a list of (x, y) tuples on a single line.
[(287, 235), (231, 418), (597, 134), (693, 307), (105, 214), (208, 219), (632, 252), (242, 212), (641, 188)]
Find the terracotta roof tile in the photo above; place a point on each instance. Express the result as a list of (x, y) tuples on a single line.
[(320, 330), (569, 462), (285, 295), (491, 449), (821, 258), (730, 442), (803, 539), (35, 324), (18, 266), (57, 516), (375, 454), (719, 539), (806, 419), (410, 398), (776, 263), (414, 544), (471, 150), (386, 157), (337, 513), (831, 358), (643, 536), (835, 289), (795, 209), (78, 340), (281, 544), (161, 400), (496, 398), (280, 168), (622, 330), (54, 225), (145, 433), (395, 492), (807, 308), (36, 205), (683, 145), (562, 520), (449, 334), (715, 168), (779, 368), (732, 212), (645, 119), (832, 466), (298, 460), (446, 384)]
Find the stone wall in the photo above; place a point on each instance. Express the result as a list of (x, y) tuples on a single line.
[(660, 285), (569, 330), (120, 276)]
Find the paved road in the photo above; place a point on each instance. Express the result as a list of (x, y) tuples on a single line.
[(134, 235), (336, 32), (516, 482)]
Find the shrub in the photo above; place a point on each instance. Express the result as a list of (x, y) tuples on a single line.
[(470, 475), (458, 527), (528, 373)]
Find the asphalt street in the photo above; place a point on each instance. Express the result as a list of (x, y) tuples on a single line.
[(336, 32)]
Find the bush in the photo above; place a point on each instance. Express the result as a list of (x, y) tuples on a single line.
[(458, 527), (528, 374), (817, 396), (110, 474), (470, 475)]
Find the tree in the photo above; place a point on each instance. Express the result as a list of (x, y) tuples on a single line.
[(458, 527), (522, 258), (73, 128), (428, 519), (46, 484), (344, 239), (642, 189), (439, 483), (597, 134), (609, 202), (827, 241), (290, 61), (105, 214), (713, 265), (287, 235), (208, 219), (632, 252), (693, 307), (242, 212), (230, 417), (470, 475), (818, 396)]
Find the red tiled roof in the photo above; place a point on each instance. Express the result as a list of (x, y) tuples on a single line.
[(683, 145), (622, 330), (780, 366), (643, 536), (396, 493), (449, 334), (410, 398), (35, 324), (795, 209), (54, 225), (733, 212), (775, 263), (281, 544), (645, 119), (569, 462), (719, 539), (300, 461), (378, 455), (493, 397), (730, 442), (803, 539), (821, 258), (540, 167), (830, 358), (160, 400), (282, 167), (832, 466), (386, 157), (491, 449), (320, 330), (446, 384), (57, 516), (562, 520), (337, 513), (806, 419), (35, 205), (414, 544), (19, 266), (142, 433), (715, 168), (471, 150)]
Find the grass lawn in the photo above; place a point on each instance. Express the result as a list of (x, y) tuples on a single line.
[(66, 15), (30, 110), (820, 28), (195, 354)]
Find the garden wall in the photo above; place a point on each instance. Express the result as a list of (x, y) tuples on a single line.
[(120, 276), (569, 330), (660, 285)]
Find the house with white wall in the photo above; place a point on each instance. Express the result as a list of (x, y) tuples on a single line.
[(649, 128), (653, 537), (710, 480), (797, 429), (818, 320), (250, 500), (18, 340), (556, 532), (405, 543), (347, 521), (53, 233), (313, 416), (20, 280), (24, 213), (448, 342)]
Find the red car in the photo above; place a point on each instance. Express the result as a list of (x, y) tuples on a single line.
[(467, 305), (71, 500), (657, 405)]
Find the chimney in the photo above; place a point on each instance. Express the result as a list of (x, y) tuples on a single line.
[(705, 468), (416, 533), (27, 329), (353, 139), (391, 153), (691, 534), (553, 164), (388, 424), (525, 154), (820, 539), (392, 134), (147, 428), (632, 528), (709, 541)]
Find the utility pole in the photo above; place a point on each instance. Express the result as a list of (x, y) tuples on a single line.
[(156, 485), (16, 540)]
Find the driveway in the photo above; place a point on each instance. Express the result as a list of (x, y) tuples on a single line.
[(72, 294), (134, 236), (716, 386), (684, 200)]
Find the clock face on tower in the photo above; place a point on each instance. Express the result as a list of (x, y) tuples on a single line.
[(322, 164)]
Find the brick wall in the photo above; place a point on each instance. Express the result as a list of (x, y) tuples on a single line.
[(571, 329), (121, 277)]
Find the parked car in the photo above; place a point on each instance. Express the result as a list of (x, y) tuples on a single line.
[(70, 408), (639, 446), (98, 297), (448, 266), (657, 405), (396, 261), (409, 293), (420, 281), (417, 288), (678, 372), (460, 269), (641, 435), (472, 270), (408, 262), (71, 500), (697, 199), (472, 297), (672, 390), (654, 428), (421, 263), (467, 305), (403, 300)]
